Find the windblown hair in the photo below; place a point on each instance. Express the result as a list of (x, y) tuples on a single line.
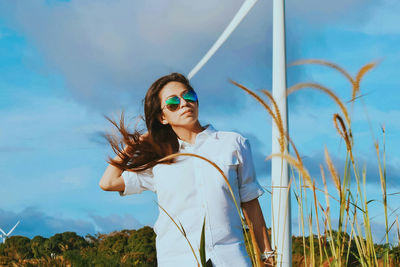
[(139, 152)]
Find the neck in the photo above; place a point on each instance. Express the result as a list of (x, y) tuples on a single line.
[(188, 133)]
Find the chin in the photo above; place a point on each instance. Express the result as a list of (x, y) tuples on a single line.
[(188, 121)]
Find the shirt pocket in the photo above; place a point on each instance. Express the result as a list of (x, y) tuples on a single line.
[(229, 166)]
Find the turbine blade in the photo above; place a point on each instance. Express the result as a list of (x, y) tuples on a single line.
[(244, 9), (13, 228), (1, 230)]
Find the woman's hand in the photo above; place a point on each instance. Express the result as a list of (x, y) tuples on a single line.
[(268, 258), (144, 136), (270, 262), (111, 179)]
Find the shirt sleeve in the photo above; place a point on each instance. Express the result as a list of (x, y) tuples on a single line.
[(137, 182), (249, 188)]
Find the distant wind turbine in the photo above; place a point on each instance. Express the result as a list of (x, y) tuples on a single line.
[(4, 235)]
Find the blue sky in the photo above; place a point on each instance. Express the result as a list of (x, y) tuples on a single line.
[(65, 64)]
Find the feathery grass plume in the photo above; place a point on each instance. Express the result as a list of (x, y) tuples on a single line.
[(277, 111), (278, 121), (182, 230), (333, 172), (355, 82), (340, 243), (295, 150), (326, 90), (360, 231), (172, 156), (259, 99), (323, 62), (360, 75), (343, 132), (295, 163)]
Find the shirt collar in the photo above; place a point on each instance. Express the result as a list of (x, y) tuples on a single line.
[(209, 131)]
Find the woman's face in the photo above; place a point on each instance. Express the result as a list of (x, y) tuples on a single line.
[(186, 113)]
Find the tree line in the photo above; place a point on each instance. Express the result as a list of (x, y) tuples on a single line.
[(122, 248)]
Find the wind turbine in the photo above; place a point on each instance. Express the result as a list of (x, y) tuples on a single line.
[(4, 235), (280, 201)]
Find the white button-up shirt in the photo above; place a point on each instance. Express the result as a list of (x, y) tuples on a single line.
[(191, 189)]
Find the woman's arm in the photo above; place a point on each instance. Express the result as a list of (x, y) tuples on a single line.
[(112, 180), (253, 214)]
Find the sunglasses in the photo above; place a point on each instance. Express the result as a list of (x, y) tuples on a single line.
[(174, 102)]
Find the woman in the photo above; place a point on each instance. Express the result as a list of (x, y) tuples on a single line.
[(189, 188)]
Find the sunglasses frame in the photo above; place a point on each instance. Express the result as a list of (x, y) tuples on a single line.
[(171, 107)]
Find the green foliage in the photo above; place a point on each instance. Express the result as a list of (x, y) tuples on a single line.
[(132, 248), (52, 244), (395, 254), (17, 247), (75, 258), (143, 241), (298, 249), (202, 249), (38, 247)]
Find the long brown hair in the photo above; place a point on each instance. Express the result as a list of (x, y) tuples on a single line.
[(143, 151)]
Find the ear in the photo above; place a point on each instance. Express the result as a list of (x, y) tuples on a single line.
[(162, 119)]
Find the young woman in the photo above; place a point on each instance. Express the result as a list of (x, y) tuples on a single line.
[(189, 188)]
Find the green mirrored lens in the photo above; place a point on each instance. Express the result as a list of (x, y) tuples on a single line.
[(173, 101), (190, 96)]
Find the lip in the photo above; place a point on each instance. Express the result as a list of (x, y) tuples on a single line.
[(186, 112)]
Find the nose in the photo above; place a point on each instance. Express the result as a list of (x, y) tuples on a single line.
[(183, 102)]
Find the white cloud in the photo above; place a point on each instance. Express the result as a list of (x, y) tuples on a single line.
[(322, 12), (37, 121), (36, 222), (104, 49), (75, 177)]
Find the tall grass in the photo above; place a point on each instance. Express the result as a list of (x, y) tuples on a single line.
[(333, 248), (351, 241)]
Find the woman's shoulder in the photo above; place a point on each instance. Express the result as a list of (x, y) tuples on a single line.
[(231, 136)]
